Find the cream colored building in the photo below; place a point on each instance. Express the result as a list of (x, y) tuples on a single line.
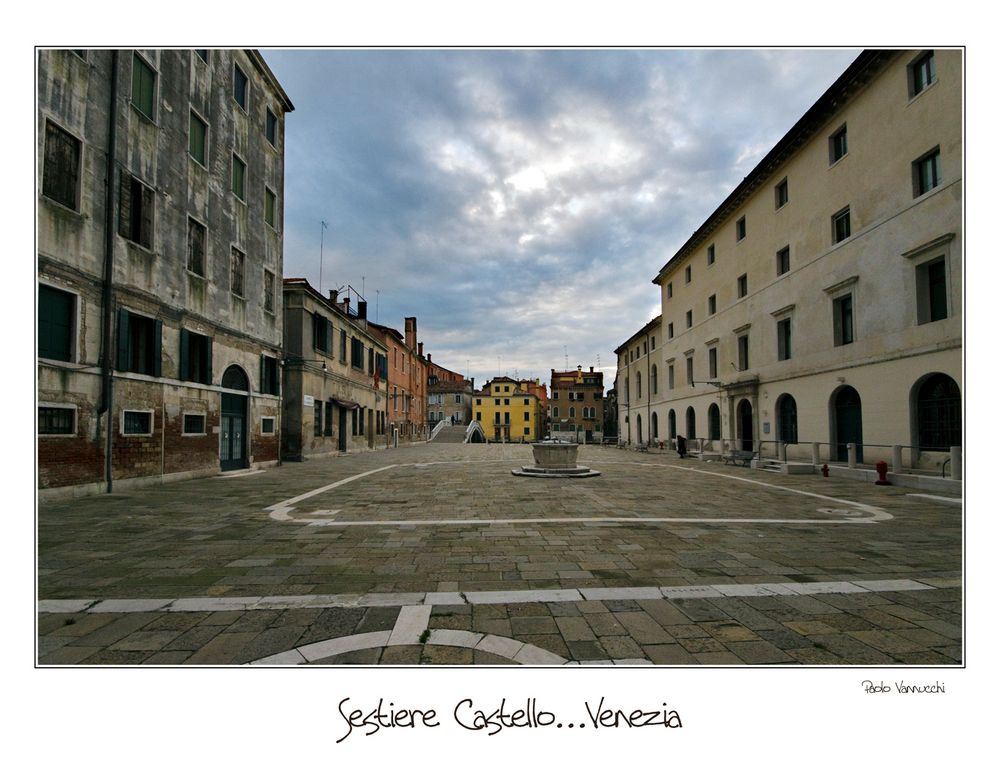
[(640, 386), (821, 302)]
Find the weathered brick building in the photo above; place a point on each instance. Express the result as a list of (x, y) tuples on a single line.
[(406, 384), (576, 411), (160, 216)]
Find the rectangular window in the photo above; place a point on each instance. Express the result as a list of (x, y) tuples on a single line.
[(56, 421), (527, 415), (241, 87), (237, 267), (670, 376), (269, 383), (322, 333), (711, 254), (270, 206), (317, 419), (196, 247), (784, 260), (713, 363), (932, 291), (203, 54), (711, 305), (838, 144), (781, 194), (198, 139), (239, 184), (922, 73), (267, 425), (741, 286), (139, 340), (784, 339), (841, 223), (527, 430), (652, 346), (479, 415), (269, 291), (143, 87), (137, 422), (194, 423), (741, 229), (357, 354), (195, 357), (689, 370), (271, 128), (743, 349), (56, 323), (670, 330), (927, 172), (135, 210), (670, 290), (328, 419), (843, 320), (555, 412), (687, 274), (688, 318), (61, 175), (343, 346)]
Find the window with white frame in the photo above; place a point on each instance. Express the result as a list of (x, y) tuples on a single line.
[(194, 424), (927, 172), (921, 73), (137, 423), (54, 419)]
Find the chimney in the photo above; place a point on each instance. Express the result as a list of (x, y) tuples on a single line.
[(428, 358), (363, 310), (333, 296), (347, 305), (591, 369), (420, 350), (410, 330)]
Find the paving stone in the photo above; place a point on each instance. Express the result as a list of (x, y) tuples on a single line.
[(621, 647), (81, 625), (68, 654), (483, 658), (758, 652), (402, 655), (605, 624), (663, 612), (520, 626), (886, 641), (564, 609), (814, 656), (585, 650), (167, 658), (272, 641), (730, 632), (501, 646), (146, 640), (552, 643), (574, 629), (443, 656), (366, 657), (705, 645), (107, 657), (668, 654), (116, 630), (529, 609), (699, 611), (224, 648), (194, 638), (722, 658), (809, 627), (850, 649), (643, 628)]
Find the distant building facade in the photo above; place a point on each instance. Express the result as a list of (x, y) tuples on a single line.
[(507, 411), (577, 405), (639, 387), (334, 377), (821, 302), (160, 223), (406, 386)]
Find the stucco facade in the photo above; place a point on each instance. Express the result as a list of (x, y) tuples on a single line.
[(822, 301), (576, 410), (507, 411), (334, 377), (160, 221)]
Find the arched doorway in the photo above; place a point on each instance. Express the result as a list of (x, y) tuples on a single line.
[(638, 428), (939, 413), (788, 419), (714, 422), (847, 422), (671, 425), (689, 416), (233, 447), (744, 425), (656, 427)]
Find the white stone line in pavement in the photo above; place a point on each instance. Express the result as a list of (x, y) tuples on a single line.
[(287, 658), (451, 638), (590, 521), (410, 624), (281, 511), (503, 646), (555, 595), (343, 644)]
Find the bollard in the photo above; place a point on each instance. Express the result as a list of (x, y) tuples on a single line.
[(897, 459), (815, 453), (956, 463), (852, 457), (783, 451), (825, 470), (882, 469)]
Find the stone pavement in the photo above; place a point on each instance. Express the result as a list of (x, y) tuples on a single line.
[(436, 554)]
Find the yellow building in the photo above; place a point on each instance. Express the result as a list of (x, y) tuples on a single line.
[(507, 411)]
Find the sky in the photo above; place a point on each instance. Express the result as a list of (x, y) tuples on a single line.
[(519, 202)]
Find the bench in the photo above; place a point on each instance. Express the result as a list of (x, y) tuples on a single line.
[(641, 447), (742, 457), (609, 440)]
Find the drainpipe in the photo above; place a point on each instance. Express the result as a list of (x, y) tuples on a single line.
[(107, 303), (649, 394)]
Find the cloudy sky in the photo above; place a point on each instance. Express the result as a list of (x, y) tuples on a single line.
[(519, 202)]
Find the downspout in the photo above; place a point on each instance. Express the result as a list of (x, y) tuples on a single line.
[(107, 303), (649, 395)]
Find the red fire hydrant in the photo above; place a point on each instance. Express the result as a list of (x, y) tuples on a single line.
[(825, 470), (882, 468)]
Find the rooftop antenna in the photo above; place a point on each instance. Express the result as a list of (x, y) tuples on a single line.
[(362, 285), (566, 352), (376, 306), (322, 227)]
